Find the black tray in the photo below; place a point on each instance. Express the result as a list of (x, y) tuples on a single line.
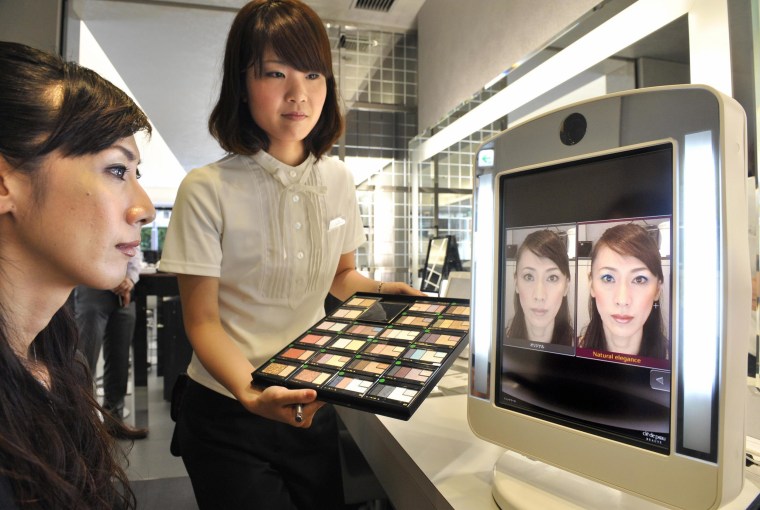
[(378, 353)]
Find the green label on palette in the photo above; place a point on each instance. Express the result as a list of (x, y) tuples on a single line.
[(398, 362), (381, 380)]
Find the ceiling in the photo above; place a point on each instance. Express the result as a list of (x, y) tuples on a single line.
[(401, 15)]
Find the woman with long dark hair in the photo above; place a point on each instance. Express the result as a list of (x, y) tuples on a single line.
[(542, 279), (71, 211), (625, 286)]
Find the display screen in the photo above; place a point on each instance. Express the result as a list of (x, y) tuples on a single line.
[(584, 328)]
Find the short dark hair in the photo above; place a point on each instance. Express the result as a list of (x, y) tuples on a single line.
[(296, 34), (47, 104)]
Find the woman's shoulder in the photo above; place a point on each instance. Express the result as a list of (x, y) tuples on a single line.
[(333, 164), (334, 169), (214, 174), (230, 162)]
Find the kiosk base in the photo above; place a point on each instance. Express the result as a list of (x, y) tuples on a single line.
[(521, 483)]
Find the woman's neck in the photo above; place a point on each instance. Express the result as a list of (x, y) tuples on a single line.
[(537, 334), (624, 345), (292, 154), (27, 307)]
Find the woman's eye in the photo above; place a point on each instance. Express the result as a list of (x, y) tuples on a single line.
[(641, 280), (552, 278), (118, 171), (607, 278), (528, 277), (313, 76), (275, 74)]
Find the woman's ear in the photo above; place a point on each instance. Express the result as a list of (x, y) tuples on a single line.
[(14, 187), (6, 196)]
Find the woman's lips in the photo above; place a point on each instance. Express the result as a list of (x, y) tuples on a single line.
[(128, 249), (295, 116), (622, 319), (539, 311)]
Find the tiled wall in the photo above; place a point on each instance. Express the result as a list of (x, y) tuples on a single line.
[(377, 74)]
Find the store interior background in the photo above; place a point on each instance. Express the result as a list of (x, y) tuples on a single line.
[(420, 83)]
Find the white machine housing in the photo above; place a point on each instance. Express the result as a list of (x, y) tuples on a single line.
[(698, 463)]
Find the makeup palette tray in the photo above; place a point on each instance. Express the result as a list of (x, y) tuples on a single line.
[(379, 353)]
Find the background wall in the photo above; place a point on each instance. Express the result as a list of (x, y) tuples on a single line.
[(32, 22), (463, 45), (168, 58)]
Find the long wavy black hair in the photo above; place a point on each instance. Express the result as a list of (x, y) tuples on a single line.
[(54, 449)]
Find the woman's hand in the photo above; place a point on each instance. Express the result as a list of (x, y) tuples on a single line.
[(279, 403), (400, 288)]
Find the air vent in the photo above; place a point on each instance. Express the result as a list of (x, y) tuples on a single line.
[(374, 5)]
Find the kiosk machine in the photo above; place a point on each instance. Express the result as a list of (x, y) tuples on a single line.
[(610, 302)]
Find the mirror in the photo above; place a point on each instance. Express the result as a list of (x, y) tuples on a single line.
[(442, 257)]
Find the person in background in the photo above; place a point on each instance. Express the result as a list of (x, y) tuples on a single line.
[(71, 211), (625, 287), (106, 318), (257, 240)]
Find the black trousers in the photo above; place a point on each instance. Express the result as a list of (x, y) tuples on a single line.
[(238, 460), (103, 322)]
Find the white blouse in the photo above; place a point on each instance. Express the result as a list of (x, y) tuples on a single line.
[(273, 235)]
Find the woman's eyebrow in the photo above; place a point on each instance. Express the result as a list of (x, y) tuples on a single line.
[(127, 153)]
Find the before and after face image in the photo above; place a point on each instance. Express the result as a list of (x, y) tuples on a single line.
[(596, 289)]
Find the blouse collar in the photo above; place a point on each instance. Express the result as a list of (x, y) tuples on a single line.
[(286, 174)]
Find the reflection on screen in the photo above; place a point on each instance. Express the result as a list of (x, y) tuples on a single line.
[(585, 292)]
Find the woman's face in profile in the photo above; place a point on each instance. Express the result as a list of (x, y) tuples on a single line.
[(87, 221), (541, 287), (625, 291)]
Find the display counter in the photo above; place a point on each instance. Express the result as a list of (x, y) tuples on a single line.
[(434, 461)]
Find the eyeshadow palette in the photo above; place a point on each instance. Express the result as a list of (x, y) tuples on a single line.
[(379, 353)]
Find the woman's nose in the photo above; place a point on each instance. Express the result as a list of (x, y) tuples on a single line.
[(540, 293), (296, 92), (622, 296), (141, 212)]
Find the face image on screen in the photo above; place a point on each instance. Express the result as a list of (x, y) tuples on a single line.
[(585, 293)]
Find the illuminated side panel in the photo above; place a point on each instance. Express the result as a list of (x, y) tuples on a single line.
[(481, 329), (700, 283)]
